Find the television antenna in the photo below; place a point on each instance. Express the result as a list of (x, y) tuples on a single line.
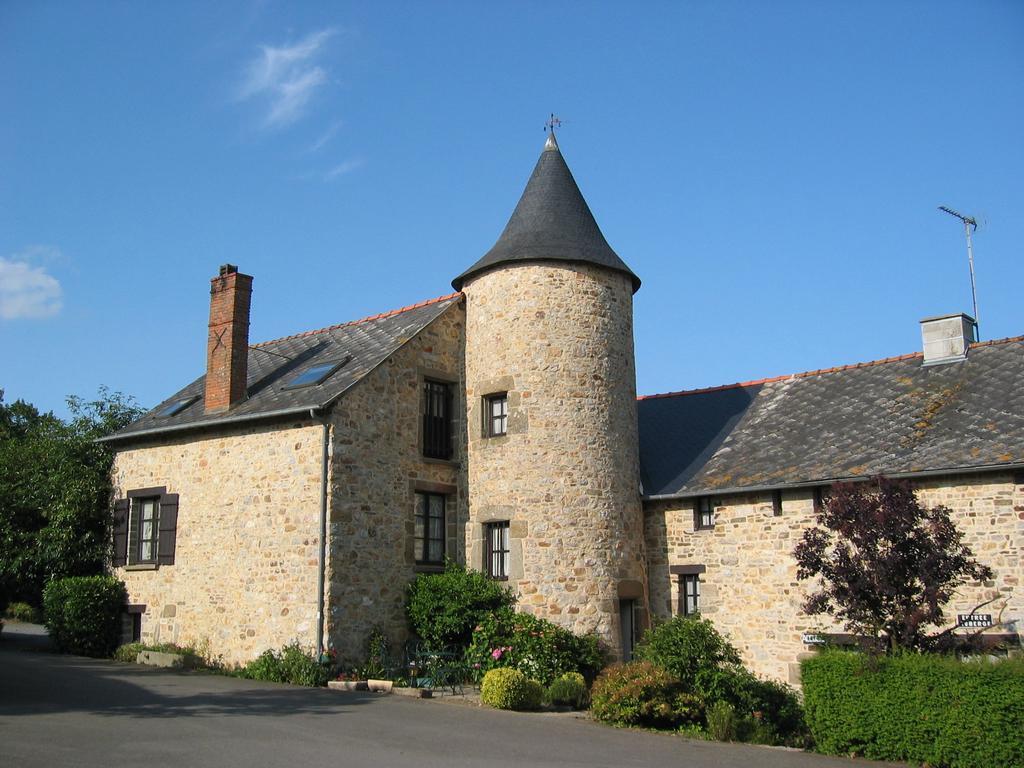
[(970, 224)]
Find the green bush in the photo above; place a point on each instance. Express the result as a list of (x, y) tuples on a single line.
[(510, 689), (444, 607), (688, 647), (640, 693), (83, 614), (722, 721), (129, 652), (23, 612), (916, 707), (568, 690), (708, 666), (292, 664), (536, 647)]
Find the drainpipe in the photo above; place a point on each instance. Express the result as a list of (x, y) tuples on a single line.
[(322, 553)]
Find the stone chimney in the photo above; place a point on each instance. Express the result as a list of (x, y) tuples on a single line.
[(946, 338), (227, 348)]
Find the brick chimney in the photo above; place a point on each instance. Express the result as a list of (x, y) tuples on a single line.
[(227, 348)]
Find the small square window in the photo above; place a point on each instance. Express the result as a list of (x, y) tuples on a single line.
[(704, 513), (689, 586), (496, 562), (497, 414), (429, 528)]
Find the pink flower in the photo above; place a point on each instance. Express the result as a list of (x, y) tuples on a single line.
[(496, 653)]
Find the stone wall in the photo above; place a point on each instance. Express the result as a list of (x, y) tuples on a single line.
[(377, 465), (750, 590), (245, 567), (558, 338)]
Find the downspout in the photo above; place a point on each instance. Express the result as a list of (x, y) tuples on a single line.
[(322, 553)]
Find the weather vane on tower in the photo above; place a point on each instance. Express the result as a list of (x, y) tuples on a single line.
[(552, 123)]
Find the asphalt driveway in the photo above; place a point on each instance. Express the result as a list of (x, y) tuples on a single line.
[(71, 711)]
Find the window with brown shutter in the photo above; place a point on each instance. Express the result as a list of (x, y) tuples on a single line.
[(145, 527), (122, 508)]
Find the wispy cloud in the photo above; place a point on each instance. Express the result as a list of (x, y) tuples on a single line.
[(28, 291), (327, 135), (286, 78), (344, 168)]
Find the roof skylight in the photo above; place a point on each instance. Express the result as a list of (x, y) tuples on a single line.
[(315, 374), (176, 407)]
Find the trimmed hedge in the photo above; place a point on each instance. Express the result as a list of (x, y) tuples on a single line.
[(83, 614), (921, 708), (510, 689)]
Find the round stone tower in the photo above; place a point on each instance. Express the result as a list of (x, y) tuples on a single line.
[(553, 467)]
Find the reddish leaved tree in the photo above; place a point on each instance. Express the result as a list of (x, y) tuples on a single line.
[(887, 565)]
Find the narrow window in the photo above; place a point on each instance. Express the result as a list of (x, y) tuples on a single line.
[(821, 495), (690, 602), (628, 627), (704, 513), (429, 528), (147, 514), (777, 503), (497, 551), (497, 414), (437, 420)]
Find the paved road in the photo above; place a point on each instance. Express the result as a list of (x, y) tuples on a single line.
[(71, 711)]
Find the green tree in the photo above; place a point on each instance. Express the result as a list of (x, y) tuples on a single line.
[(55, 491)]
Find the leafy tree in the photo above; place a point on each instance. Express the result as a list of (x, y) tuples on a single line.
[(55, 491), (443, 608), (887, 565)]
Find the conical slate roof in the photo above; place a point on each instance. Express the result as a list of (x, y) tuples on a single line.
[(552, 222)]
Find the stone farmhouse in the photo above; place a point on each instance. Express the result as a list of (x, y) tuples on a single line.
[(294, 490)]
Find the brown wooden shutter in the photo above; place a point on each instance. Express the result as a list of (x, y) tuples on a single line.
[(168, 529), (121, 510)]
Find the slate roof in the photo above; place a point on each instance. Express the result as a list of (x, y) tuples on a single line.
[(552, 222), (273, 364), (893, 416)]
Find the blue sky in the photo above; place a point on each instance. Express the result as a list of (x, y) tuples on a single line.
[(770, 170)]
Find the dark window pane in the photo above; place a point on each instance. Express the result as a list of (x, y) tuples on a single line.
[(429, 528), (315, 374), (437, 443), (172, 409), (496, 558)]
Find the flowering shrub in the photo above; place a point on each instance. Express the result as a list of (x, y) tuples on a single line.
[(640, 693), (539, 649), (510, 689)]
